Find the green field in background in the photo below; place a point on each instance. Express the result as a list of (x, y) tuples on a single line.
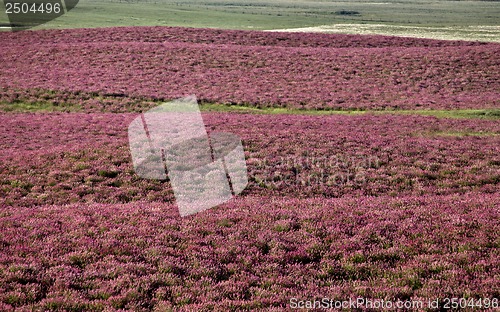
[(421, 18)]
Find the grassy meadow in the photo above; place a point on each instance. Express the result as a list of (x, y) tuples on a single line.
[(462, 20)]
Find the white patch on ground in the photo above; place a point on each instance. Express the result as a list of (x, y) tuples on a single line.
[(474, 33)]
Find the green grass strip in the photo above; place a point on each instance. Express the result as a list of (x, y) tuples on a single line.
[(491, 114), (44, 107), (460, 113)]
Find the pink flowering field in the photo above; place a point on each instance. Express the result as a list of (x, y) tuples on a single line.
[(344, 206), (249, 68)]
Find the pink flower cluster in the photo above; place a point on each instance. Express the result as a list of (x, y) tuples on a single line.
[(220, 36), (80, 157), (254, 68), (253, 253), (401, 207)]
